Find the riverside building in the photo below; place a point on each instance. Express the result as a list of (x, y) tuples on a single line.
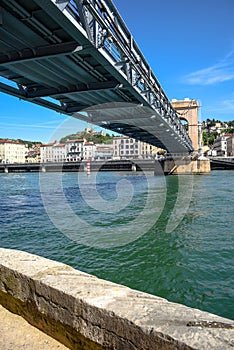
[(129, 148), (70, 151), (47, 152), (74, 150), (126, 147), (230, 146), (59, 152), (220, 145), (12, 151), (89, 150), (104, 151)]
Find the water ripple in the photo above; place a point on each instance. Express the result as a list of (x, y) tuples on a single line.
[(191, 265)]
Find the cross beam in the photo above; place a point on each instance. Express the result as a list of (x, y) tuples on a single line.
[(28, 54), (63, 90)]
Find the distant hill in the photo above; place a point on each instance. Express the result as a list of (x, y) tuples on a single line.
[(212, 128), (90, 135)]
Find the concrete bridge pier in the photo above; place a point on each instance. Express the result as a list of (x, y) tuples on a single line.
[(185, 166), (43, 169), (133, 168)]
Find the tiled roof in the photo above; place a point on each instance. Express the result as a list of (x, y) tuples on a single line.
[(60, 145), (15, 142), (75, 141), (48, 144)]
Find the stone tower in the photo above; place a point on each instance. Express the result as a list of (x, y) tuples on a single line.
[(188, 110)]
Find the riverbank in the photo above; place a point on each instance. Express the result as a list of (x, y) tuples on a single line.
[(110, 165), (113, 165), (161, 166)]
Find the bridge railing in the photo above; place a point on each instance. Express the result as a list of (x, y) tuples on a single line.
[(107, 31)]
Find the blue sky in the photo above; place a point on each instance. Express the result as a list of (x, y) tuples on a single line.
[(190, 47)]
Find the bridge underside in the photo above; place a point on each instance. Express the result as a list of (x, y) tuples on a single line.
[(47, 58), (133, 120)]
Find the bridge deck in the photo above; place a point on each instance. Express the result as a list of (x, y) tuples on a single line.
[(69, 57)]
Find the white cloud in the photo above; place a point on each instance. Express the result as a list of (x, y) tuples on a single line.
[(18, 125), (229, 105), (218, 73), (222, 109)]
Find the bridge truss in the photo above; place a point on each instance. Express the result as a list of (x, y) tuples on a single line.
[(76, 55)]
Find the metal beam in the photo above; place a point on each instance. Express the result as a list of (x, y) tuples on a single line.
[(11, 90), (63, 90), (44, 103), (32, 53), (1, 16), (75, 109), (83, 19)]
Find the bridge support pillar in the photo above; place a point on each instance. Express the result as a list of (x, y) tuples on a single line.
[(182, 166), (187, 110), (6, 170), (134, 167), (43, 169)]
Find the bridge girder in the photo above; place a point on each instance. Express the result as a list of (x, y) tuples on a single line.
[(80, 53)]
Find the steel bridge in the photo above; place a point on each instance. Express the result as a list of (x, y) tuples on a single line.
[(77, 57)]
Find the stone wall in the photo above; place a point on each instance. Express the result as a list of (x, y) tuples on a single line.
[(84, 312)]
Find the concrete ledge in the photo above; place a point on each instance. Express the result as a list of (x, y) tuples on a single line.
[(84, 312)]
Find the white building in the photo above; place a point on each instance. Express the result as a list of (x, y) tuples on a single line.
[(12, 151), (220, 145), (59, 152), (126, 147), (47, 152), (230, 146), (104, 151), (89, 150), (74, 150), (70, 151), (149, 151)]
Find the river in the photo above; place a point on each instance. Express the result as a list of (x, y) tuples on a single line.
[(169, 236)]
